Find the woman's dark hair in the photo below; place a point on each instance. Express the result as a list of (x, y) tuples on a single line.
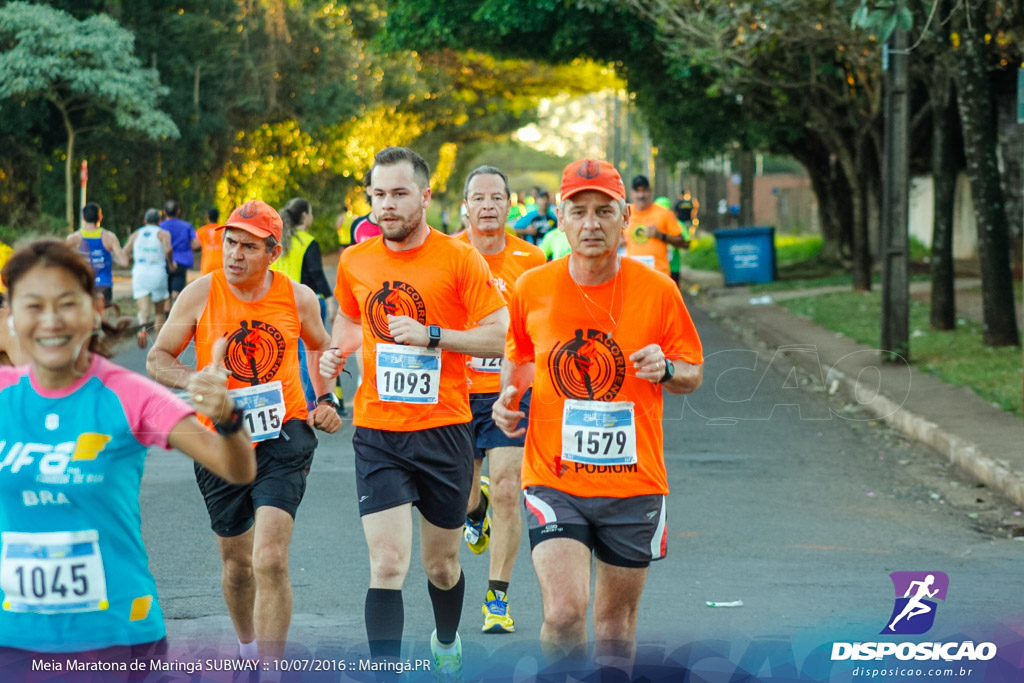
[(52, 253), (291, 217)]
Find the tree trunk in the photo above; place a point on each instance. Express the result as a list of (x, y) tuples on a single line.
[(944, 171), (747, 172), (978, 121), (69, 189), (829, 189), (861, 240)]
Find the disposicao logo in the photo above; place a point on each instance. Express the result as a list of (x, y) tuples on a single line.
[(916, 592), (913, 614)]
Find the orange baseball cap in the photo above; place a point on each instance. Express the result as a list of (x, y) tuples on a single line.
[(257, 218), (591, 174)]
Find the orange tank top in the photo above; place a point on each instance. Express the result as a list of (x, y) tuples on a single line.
[(263, 338)]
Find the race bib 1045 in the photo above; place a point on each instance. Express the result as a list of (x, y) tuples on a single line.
[(54, 572)]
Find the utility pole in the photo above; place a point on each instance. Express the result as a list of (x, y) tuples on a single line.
[(895, 340)]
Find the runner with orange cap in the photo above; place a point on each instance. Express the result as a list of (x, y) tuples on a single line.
[(593, 466), (262, 314)]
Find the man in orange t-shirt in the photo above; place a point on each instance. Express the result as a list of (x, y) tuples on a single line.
[(486, 197), (262, 314), (599, 338), (651, 229), (210, 242), (417, 303)]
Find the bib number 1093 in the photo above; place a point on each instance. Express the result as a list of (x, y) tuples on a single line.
[(408, 374), (406, 383)]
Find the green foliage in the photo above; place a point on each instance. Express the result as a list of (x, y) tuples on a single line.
[(918, 251), (79, 65), (883, 17), (789, 249), (958, 357), (702, 254)]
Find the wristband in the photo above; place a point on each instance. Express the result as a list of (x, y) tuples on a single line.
[(232, 424)]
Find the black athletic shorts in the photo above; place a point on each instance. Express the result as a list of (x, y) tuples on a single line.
[(106, 292), (282, 465), (430, 468), (177, 280), (488, 435)]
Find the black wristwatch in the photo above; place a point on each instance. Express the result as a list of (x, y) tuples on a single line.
[(329, 397), (434, 331), (670, 372), (232, 424)]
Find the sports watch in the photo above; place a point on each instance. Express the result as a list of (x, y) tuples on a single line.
[(670, 372), (434, 332), (329, 397)]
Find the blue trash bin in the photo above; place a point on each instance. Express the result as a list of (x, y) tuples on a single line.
[(746, 255)]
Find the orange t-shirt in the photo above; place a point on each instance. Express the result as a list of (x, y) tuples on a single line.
[(263, 338), (213, 248), (442, 282), (580, 339), (650, 250), (516, 258)]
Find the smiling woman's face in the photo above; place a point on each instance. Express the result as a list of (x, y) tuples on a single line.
[(53, 320)]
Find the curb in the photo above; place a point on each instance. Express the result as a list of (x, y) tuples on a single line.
[(967, 454)]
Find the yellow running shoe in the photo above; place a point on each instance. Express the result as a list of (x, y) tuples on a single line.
[(478, 534), (496, 615)]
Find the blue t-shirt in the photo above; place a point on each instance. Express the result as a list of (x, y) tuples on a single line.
[(74, 573), (182, 234), (544, 223), (99, 257)]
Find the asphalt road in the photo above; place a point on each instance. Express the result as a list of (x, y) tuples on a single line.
[(797, 506)]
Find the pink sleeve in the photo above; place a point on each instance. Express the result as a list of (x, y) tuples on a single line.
[(10, 376), (152, 410)]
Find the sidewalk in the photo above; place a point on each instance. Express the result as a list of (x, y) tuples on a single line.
[(977, 437)]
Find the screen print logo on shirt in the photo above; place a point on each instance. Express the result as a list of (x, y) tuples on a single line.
[(589, 366), (394, 298), (255, 352)]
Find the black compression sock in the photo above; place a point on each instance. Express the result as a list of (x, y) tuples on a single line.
[(497, 586), (385, 620), (447, 609)]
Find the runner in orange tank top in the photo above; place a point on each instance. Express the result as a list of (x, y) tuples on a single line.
[(417, 303), (493, 520), (598, 337), (262, 314)]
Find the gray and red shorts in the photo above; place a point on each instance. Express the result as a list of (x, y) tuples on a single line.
[(624, 532)]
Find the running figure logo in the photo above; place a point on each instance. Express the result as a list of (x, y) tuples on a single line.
[(590, 366), (255, 351), (394, 298), (914, 613)]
